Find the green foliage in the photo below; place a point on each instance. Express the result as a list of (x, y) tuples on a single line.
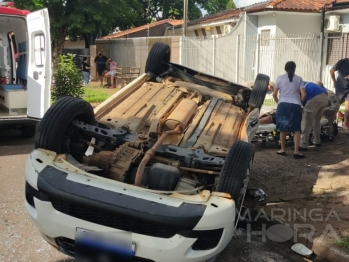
[(163, 9), (86, 18), (74, 18), (344, 242), (216, 6), (231, 5), (68, 79)]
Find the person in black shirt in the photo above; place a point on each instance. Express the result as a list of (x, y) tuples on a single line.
[(341, 85), (100, 61), (86, 71)]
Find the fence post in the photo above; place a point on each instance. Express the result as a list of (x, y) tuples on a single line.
[(180, 50), (342, 45), (214, 55), (321, 55), (257, 55), (237, 58)]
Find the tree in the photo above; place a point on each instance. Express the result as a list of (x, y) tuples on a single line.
[(96, 19), (68, 79), (73, 18), (216, 6), (163, 9), (231, 5)]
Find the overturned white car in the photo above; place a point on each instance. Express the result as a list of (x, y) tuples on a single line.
[(166, 159)]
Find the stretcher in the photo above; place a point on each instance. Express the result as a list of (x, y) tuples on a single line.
[(268, 133)]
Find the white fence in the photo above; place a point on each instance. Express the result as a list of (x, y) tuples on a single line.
[(238, 58)]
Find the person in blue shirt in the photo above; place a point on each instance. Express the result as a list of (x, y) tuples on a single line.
[(315, 102)]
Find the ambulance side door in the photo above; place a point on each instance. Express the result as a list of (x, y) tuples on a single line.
[(39, 63)]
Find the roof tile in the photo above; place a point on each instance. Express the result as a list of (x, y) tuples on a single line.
[(140, 28), (227, 14), (293, 5)]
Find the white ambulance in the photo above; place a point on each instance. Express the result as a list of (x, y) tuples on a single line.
[(25, 67)]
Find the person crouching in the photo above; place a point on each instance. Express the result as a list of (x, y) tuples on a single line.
[(315, 102)]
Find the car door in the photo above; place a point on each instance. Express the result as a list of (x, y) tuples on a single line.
[(39, 63)]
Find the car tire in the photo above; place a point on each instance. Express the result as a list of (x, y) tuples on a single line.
[(28, 131), (259, 91), (234, 175), (53, 126), (159, 54)]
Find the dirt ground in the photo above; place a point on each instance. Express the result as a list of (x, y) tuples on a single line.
[(310, 194)]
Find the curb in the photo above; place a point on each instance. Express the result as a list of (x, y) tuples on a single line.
[(322, 249)]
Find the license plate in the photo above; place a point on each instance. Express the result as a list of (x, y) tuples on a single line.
[(103, 246)]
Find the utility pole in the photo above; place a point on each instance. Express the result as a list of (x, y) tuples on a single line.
[(185, 18)]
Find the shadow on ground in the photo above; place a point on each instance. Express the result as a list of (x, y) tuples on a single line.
[(12, 142), (311, 195)]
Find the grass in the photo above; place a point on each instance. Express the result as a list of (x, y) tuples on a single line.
[(97, 94), (343, 242), (269, 102)]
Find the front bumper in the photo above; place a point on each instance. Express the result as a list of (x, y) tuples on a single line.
[(164, 228)]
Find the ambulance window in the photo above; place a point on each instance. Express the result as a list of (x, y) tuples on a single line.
[(39, 50)]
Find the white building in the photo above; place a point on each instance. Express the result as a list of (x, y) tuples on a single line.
[(239, 43)]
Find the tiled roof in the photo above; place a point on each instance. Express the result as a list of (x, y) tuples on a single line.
[(293, 5), (257, 6), (227, 14), (143, 27), (281, 5)]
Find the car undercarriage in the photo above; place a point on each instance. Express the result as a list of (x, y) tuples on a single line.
[(172, 135)]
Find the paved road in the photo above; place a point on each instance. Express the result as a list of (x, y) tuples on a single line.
[(22, 242)]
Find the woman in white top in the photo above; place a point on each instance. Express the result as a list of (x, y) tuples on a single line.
[(289, 110)]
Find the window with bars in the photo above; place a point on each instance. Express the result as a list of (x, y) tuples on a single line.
[(337, 47), (265, 37)]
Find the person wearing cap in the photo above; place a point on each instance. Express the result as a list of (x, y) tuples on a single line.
[(316, 100)]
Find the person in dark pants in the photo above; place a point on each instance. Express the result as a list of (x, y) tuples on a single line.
[(86, 71), (100, 61), (341, 85), (289, 111)]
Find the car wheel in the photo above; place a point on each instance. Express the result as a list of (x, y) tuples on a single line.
[(55, 132), (234, 176), (159, 54), (259, 91), (28, 131)]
